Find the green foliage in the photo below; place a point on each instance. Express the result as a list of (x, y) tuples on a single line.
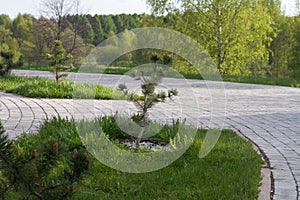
[(9, 51), (5, 144), (244, 38), (294, 61), (108, 25), (46, 165), (232, 32), (45, 88), (35, 47), (59, 60), (87, 31), (5, 21), (150, 97), (280, 48), (21, 27), (97, 28), (5, 164)]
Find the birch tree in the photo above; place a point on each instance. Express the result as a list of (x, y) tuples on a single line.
[(236, 33)]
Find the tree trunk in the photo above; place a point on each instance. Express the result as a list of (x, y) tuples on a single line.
[(59, 24), (56, 74)]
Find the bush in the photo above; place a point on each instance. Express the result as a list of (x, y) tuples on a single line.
[(45, 165)]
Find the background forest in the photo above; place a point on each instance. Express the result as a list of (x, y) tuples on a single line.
[(249, 38)]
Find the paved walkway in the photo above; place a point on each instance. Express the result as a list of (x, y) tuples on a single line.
[(268, 115)]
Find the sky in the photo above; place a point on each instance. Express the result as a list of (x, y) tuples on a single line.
[(13, 7)]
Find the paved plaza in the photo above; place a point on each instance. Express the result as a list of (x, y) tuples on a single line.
[(268, 115)]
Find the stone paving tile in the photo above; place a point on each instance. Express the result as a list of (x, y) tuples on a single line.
[(267, 115), (285, 196)]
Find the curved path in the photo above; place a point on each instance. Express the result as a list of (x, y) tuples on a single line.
[(267, 115)]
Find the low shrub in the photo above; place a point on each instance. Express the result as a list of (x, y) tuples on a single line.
[(43, 166)]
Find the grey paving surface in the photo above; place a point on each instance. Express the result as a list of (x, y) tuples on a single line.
[(268, 115)]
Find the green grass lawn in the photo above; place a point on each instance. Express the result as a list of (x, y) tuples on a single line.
[(230, 171), (34, 67), (45, 88)]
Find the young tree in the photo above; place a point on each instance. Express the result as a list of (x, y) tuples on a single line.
[(149, 96), (60, 61)]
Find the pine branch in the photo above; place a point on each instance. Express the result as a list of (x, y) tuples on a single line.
[(4, 158), (5, 146), (44, 189)]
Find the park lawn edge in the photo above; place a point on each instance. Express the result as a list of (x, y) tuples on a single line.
[(232, 170), (36, 87)]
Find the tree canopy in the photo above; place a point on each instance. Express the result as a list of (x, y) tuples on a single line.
[(243, 37)]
